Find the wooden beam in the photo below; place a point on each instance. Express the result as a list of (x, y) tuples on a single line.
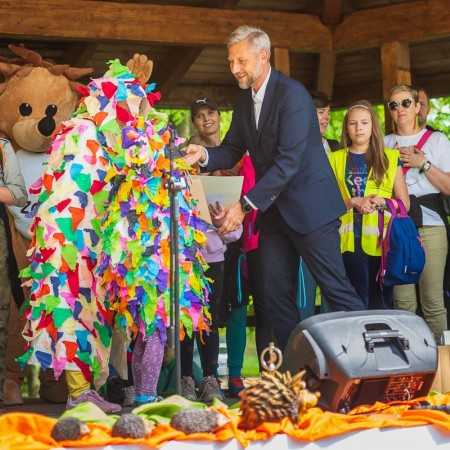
[(395, 69), (332, 12), (345, 95), (172, 69), (78, 54), (223, 4), (414, 21), (325, 73), (138, 22), (281, 60)]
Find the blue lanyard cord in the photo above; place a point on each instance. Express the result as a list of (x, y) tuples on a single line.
[(239, 281), (301, 289)]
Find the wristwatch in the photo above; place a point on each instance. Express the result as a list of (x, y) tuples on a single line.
[(425, 167), (245, 205)]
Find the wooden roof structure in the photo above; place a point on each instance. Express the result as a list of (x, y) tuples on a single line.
[(350, 49)]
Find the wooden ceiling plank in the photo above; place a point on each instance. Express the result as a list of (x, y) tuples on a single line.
[(395, 69), (179, 25), (223, 4), (419, 21), (78, 54), (174, 66)]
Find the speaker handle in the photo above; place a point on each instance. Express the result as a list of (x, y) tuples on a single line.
[(371, 336)]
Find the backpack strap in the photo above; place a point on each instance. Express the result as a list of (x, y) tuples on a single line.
[(393, 209), (423, 139), (241, 258), (384, 242), (301, 288), (419, 145), (380, 243)]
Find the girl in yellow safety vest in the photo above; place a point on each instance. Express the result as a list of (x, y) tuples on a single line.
[(366, 173)]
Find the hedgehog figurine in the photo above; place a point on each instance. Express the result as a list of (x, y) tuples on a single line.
[(131, 426), (274, 397), (194, 420), (69, 429)]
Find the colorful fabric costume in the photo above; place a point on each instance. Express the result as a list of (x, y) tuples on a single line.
[(135, 262), (105, 158)]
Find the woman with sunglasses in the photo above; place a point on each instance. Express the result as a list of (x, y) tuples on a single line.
[(427, 174), (367, 174)]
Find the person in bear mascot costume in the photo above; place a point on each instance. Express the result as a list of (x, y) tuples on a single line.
[(36, 96)]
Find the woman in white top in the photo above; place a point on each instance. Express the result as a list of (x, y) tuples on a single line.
[(427, 175)]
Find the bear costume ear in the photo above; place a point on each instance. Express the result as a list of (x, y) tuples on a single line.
[(141, 67), (8, 70)]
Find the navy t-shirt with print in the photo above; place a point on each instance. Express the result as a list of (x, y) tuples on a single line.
[(356, 173)]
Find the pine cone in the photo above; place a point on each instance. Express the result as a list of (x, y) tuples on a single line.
[(274, 397)]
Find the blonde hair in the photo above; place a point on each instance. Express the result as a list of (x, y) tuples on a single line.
[(404, 88), (375, 156)]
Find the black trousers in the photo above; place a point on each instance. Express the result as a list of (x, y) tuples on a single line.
[(263, 328), (280, 247), (362, 271)]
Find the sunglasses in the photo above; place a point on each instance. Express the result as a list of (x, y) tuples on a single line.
[(405, 103)]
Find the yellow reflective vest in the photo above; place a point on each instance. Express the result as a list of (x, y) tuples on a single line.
[(369, 238)]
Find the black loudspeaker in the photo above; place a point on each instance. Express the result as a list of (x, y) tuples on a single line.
[(360, 357)]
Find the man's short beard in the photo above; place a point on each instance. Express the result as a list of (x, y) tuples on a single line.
[(244, 84), (251, 79)]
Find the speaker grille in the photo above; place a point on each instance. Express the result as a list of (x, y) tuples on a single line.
[(400, 387)]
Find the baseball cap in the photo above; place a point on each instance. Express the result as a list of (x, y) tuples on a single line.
[(202, 102)]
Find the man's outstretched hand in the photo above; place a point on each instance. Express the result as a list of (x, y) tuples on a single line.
[(193, 154)]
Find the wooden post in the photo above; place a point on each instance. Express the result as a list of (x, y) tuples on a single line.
[(325, 73), (395, 69), (281, 60)]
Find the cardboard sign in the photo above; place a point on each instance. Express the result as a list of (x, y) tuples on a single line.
[(196, 188), (225, 190), (211, 189)]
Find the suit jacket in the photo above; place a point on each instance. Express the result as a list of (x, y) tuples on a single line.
[(286, 150)]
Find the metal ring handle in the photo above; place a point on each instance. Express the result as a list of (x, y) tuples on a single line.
[(274, 360)]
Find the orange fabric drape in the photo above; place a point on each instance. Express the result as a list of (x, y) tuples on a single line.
[(23, 431)]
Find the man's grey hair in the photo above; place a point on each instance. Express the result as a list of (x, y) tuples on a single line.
[(257, 38)]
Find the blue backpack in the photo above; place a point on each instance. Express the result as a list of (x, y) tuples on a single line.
[(403, 255)]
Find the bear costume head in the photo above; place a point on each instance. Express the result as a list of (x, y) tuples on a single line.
[(35, 97)]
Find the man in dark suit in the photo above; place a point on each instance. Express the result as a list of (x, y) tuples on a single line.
[(295, 193), (424, 101)]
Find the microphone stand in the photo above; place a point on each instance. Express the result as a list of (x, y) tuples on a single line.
[(174, 185)]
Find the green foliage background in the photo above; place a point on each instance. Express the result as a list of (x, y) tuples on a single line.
[(438, 118)]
